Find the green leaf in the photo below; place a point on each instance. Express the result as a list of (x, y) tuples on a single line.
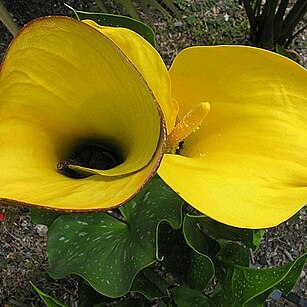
[(175, 253), (241, 286), (104, 19), (150, 284), (171, 6), (285, 53), (257, 236), (193, 235), (187, 297), (201, 269), (89, 297), (48, 300), (249, 287), (220, 231), (45, 217), (234, 253), (286, 284), (109, 252)]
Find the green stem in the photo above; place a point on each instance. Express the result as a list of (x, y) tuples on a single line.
[(294, 35), (279, 17), (102, 6), (251, 17), (7, 20), (173, 8), (267, 39), (155, 4), (293, 18), (257, 9), (145, 10), (130, 8)]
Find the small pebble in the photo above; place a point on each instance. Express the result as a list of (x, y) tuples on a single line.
[(41, 230), (24, 223), (178, 23)]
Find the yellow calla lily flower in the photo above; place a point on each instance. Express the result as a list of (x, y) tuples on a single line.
[(242, 117), (246, 164), (67, 93)]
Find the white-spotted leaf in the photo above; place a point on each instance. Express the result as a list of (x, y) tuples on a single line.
[(244, 285), (249, 237), (201, 269), (241, 285), (109, 252)]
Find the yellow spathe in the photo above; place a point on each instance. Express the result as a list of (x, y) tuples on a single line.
[(148, 62), (63, 82), (246, 166)]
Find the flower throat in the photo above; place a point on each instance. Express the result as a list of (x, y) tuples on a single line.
[(91, 154)]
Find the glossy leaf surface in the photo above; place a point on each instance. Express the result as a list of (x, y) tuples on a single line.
[(185, 296), (201, 269), (249, 237), (108, 252), (241, 285), (244, 286), (119, 21), (44, 217), (150, 284)]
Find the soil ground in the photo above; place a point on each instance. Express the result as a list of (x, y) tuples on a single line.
[(22, 244)]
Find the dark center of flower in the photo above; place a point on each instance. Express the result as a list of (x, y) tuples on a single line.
[(91, 154)]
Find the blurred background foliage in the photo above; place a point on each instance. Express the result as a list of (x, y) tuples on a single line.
[(268, 23), (133, 8), (274, 22)]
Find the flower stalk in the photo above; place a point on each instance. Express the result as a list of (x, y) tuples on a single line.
[(7, 20)]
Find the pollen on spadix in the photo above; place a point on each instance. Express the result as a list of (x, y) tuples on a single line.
[(188, 124)]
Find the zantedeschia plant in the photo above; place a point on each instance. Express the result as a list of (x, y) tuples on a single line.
[(90, 113)]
